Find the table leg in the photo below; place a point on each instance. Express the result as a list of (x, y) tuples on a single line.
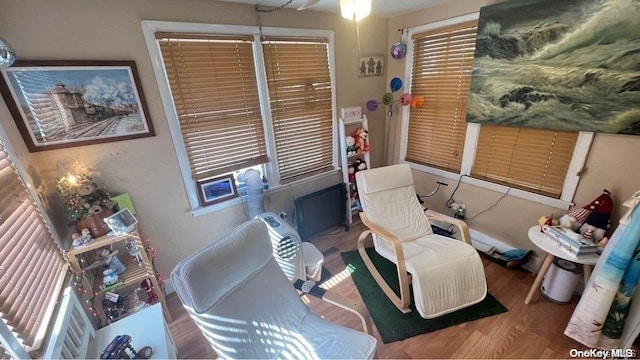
[(586, 269), (536, 283)]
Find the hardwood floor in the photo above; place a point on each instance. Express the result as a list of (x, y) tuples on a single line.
[(525, 331)]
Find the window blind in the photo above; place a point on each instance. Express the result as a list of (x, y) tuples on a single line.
[(32, 268), (442, 63), (215, 92), (300, 97), (535, 160)]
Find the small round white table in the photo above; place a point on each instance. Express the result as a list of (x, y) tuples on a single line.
[(539, 239)]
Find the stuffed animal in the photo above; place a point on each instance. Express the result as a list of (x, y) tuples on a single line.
[(361, 137), (351, 145), (592, 219), (352, 172), (359, 165)]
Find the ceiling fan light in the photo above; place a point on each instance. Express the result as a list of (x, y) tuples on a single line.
[(7, 55), (355, 9)]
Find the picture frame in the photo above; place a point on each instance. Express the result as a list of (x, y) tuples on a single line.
[(61, 104), (371, 65), (217, 189), (122, 222)]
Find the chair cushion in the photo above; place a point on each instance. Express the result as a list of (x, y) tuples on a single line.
[(390, 201), (385, 178), (336, 343), (193, 277), (447, 274), (246, 307)]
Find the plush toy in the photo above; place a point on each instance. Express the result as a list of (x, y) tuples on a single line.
[(591, 220), (359, 165), (351, 145), (361, 137), (352, 172)]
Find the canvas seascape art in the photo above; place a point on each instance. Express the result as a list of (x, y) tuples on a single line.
[(562, 65)]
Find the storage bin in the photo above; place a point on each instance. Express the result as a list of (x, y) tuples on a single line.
[(560, 281)]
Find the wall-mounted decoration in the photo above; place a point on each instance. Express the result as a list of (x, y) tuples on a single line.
[(371, 65), (216, 189), (59, 104), (563, 65), (399, 49)]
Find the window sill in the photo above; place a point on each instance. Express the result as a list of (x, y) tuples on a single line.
[(526, 195), (272, 190)]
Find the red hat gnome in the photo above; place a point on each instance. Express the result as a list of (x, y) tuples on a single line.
[(592, 218)]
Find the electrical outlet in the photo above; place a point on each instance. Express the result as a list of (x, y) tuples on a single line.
[(458, 210)]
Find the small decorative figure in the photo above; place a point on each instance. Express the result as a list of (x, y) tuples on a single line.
[(109, 277), (147, 286), (134, 251), (76, 240), (86, 236), (110, 259)]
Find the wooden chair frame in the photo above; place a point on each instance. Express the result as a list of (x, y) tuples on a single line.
[(403, 301)]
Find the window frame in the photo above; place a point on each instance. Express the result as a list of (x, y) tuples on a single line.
[(150, 27), (578, 159)]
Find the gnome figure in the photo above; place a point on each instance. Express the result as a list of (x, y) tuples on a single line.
[(591, 220)]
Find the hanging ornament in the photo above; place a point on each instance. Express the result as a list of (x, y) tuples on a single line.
[(399, 49)]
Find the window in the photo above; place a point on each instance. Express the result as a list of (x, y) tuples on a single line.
[(215, 94), (239, 96), (299, 85), (529, 159), (540, 165), (442, 63), (32, 268)]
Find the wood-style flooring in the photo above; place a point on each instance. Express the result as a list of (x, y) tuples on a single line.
[(525, 331)]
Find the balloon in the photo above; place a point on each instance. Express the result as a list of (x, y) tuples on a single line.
[(396, 84), (387, 98), (372, 105), (398, 50), (405, 99), (417, 102)]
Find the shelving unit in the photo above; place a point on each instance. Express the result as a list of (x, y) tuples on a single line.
[(347, 127), (133, 275)]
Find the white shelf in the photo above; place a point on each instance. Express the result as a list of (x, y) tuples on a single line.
[(347, 128)]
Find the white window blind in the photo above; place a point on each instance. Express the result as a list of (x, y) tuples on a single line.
[(215, 93), (300, 96), (442, 63), (32, 268)]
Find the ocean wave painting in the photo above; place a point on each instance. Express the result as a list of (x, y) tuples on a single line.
[(558, 64)]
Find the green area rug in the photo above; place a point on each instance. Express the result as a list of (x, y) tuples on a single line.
[(391, 323)]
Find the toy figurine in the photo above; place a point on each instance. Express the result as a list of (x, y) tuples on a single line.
[(134, 251), (86, 236), (76, 240), (117, 349), (147, 286), (110, 259)]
